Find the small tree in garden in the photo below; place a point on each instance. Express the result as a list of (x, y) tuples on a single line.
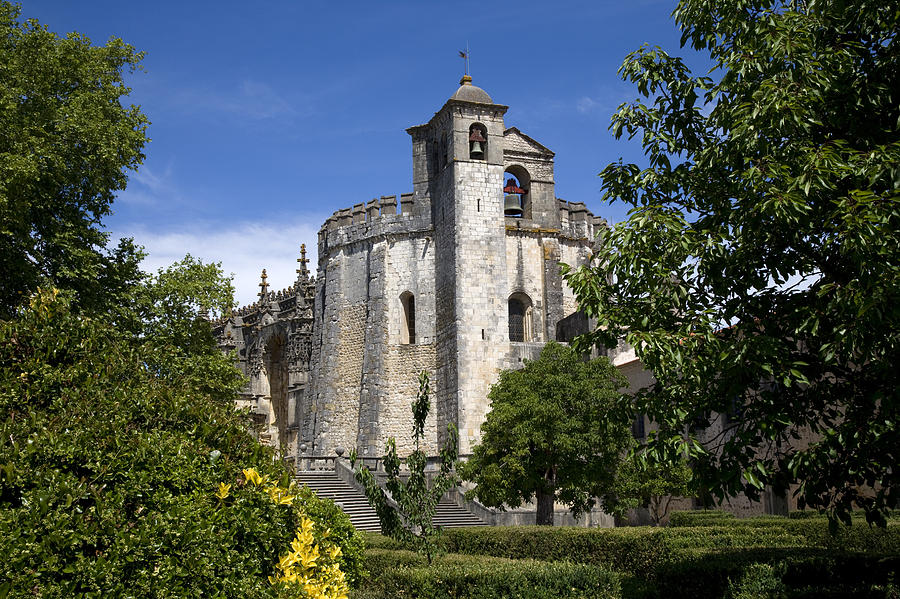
[(416, 500), (651, 485), (553, 434)]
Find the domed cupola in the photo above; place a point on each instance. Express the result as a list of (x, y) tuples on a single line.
[(471, 93)]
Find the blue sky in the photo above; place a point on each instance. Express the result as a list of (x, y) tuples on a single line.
[(269, 116)]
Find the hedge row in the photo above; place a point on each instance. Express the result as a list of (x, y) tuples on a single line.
[(640, 550), (795, 572), (399, 573), (732, 559), (692, 575), (623, 549)]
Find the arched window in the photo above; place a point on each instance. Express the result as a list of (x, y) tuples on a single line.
[(517, 192), (520, 318), (478, 140), (408, 322)]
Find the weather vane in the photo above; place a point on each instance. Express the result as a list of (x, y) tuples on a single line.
[(465, 57)]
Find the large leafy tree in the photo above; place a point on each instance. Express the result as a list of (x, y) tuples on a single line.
[(66, 144), (554, 433), (758, 273)]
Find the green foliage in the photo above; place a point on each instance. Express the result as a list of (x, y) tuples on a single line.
[(760, 263), (701, 561), (758, 581), (636, 550), (108, 472), (170, 313), (553, 432), (651, 485), (325, 513), (404, 574), (413, 495), (66, 142), (702, 518)]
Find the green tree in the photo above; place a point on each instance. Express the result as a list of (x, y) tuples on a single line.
[(408, 515), (650, 485), (170, 314), (554, 432), (760, 265), (66, 143)]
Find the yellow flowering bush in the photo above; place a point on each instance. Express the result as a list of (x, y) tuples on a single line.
[(311, 568)]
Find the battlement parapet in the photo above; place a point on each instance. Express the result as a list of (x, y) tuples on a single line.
[(577, 222), (378, 217)]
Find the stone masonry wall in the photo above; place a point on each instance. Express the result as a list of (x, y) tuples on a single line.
[(482, 328)]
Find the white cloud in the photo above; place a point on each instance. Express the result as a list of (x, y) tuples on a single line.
[(251, 100), (244, 250), (586, 104), (146, 187)]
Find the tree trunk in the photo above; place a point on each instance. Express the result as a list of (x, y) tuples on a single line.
[(545, 508)]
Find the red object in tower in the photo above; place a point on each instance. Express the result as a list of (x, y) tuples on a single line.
[(511, 187)]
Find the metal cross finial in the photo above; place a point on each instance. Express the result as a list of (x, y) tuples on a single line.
[(302, 271), (465, 56), (263, 286)]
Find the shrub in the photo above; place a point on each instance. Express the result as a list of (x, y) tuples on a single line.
[(699, 517), (757, 580), (109, 473), (809, 571), (406, 574), (627, 549)]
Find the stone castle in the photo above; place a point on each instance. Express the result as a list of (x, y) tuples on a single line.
[(460, 278)]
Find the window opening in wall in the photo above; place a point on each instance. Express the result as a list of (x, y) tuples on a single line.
[(477, 141), (408, 324), (478, 205), (516, 192), (520, 318), (444, 153), (637, 427), (435, 154)]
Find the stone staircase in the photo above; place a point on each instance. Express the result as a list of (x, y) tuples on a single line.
[(326, 483)]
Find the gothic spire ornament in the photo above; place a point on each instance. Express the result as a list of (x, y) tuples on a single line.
[(302, 272), (263, 286)]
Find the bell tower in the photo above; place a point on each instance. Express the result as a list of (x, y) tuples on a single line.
[(458, 170)]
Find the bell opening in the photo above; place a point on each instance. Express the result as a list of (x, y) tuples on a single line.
[(477, 141)]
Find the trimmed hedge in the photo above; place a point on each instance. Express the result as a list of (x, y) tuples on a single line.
[(627, 549), (807, 572), (402, 573), (732, 558)]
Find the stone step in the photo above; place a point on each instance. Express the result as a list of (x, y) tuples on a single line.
[(354, 503)]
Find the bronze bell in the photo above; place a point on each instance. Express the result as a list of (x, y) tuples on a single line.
[(476, 144), (512, 205)]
